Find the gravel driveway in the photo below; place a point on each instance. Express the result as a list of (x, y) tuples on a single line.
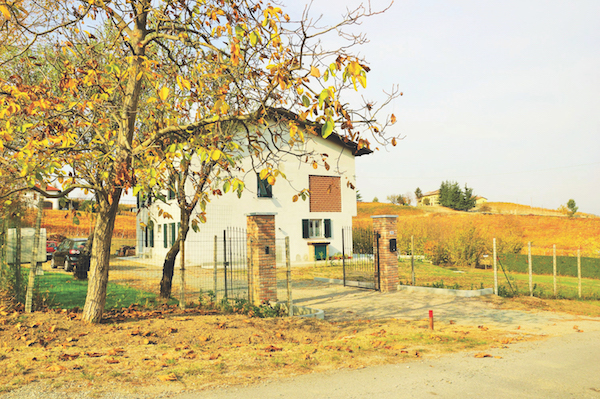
[(345, 303)]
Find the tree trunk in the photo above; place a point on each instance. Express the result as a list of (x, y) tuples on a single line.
[(166, 283), (96, 293), (34, 256)]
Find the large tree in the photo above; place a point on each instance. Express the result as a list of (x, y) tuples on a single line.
[(123, 79)]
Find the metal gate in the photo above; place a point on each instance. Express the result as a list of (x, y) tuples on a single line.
[(234, 273), (360, 258)]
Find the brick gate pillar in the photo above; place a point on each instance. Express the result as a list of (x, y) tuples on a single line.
[(386, 226), (262, 278)]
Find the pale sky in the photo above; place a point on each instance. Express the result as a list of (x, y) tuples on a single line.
[(501, 95)]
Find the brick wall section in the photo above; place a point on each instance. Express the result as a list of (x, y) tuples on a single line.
[(386, 226), (325, 193), (260, 230)]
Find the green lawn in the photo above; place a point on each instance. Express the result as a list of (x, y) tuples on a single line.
[(64, 291)]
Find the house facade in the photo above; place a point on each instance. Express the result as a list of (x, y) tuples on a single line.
[(314, 226), (31, 198), (431, 198)]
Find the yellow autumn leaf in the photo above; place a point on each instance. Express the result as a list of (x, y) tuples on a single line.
[(168, 377), (164, 93), (5, 11), (293, 129), (216, 154), (314, 71)]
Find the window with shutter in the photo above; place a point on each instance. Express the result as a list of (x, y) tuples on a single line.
[(264, 189)]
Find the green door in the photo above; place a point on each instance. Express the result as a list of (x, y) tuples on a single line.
[(320, 251)]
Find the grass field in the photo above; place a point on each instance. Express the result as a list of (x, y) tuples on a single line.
[(471, 278), (61, 290)]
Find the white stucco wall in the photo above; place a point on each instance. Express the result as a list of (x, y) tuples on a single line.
[(230, 211)]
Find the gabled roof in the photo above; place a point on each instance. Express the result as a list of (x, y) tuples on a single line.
[(436, 192), (333, 137), (48, 188)]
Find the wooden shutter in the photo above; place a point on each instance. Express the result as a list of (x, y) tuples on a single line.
[(327, 223), (304, 228), (165, 234), (152, 236)]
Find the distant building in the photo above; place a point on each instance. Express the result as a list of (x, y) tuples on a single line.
[(31, 198), (479, 200), (431, 198)]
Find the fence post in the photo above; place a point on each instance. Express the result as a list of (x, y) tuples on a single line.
[(412, 259), (495, 270), (288, 264), (34, 257), (384, 228), (262, 249), (554, 267), (579, 271), (215, 278), (530, 269), (182, 254)]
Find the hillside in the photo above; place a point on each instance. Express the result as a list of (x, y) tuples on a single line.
[(436, 224), (61, 223)]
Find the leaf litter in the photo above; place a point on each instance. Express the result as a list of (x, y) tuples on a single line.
[(141, 350)]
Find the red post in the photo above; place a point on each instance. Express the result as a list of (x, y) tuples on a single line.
[(431, 319)]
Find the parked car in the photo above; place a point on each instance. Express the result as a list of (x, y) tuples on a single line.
[(68, 253), (50, 248)]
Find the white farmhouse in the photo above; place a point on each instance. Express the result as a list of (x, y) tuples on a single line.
[(314, 226)]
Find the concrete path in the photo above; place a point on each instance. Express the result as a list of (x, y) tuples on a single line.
[(344, 303)]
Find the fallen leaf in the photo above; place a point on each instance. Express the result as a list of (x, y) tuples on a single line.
[(168, 377), (171, 330), (94, 354), (112, 360), (272, 348), (68, 356), (56, 367), (203, 338), (214, 356), (482, 355), (115, 351)]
